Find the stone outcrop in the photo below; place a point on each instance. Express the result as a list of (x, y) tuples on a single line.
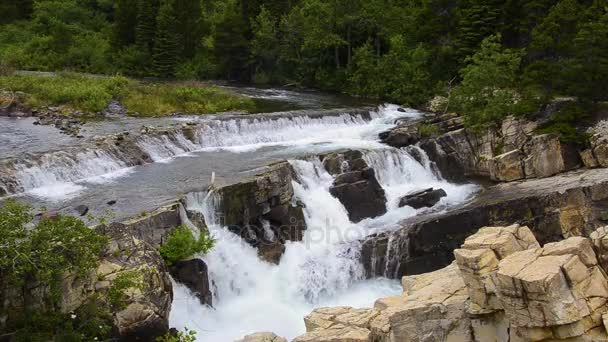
[(355, 185), (142, 312), (507, 153), (554, 208), (262, 337), (194, 274), (502, 287), (263, 212), (507, 167), (423, 199)]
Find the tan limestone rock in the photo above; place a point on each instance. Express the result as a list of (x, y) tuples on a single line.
[(507, 167)]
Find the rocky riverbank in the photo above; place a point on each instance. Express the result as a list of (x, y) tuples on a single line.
[(502, 287)]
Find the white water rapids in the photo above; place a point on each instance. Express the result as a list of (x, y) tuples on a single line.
[(62, 175), (323, 270)]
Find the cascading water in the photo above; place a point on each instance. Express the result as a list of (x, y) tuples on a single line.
[(52, 174), (322, 270), (62, 169)]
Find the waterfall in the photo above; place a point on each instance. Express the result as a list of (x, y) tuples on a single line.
[(251, 295), (62, 169), (50, 175)]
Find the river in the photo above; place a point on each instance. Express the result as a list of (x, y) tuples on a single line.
[(249, 294)]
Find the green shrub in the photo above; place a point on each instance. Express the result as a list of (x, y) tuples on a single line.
[(569, 123), (45, 253), (181, 244), (426, 130), (186, 336), (123, 282)]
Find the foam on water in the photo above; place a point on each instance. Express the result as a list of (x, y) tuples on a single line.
[(297, 133), (322, 270)]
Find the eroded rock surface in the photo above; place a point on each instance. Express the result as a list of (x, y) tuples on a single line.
[(502, 287)]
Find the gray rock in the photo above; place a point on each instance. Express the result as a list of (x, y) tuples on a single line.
[(193, 273), (423, 199)]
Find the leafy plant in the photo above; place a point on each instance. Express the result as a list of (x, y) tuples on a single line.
[(181, 244), (44, 254), (123, 282), (428, 130), (186, 336)]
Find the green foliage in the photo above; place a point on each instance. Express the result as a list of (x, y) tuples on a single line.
[(93, 94), (186, 336), (166, 40), (181, 244), (488, 91), (196, 98), (45, 253), (428, 130), (403, 51), (130, 280), (569, 123), (90, 322), (80, 92)]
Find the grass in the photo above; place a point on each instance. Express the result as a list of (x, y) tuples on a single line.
[(92, 94)]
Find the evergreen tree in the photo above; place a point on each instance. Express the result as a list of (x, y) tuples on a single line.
[(189, 26), (166, 47), (145, 30), (552, 47), (125, 21), (478, 19), (589, 69)]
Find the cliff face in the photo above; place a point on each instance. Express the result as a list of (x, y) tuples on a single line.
[(510, 152)]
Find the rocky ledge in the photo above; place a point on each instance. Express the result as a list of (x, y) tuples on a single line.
[(502, 287), (555, 208), (513, 151), (141, 313)]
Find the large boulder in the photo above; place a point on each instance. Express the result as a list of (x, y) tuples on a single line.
[(355, 185), (402, 136), (479, 257), (507, 167), (144, 312), (194, 274), (261, 210), (423, 199), (547, 156), (338, 324)]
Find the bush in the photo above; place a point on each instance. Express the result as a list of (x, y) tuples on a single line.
[(428, 130), (45, 253), (181, 244), (568, 123), (186, 336), (123, 282)]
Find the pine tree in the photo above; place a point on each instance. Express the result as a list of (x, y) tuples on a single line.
[(166, 47), (145, 30), (478, 20), (125, 21), (189, 29), (589, 69)]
